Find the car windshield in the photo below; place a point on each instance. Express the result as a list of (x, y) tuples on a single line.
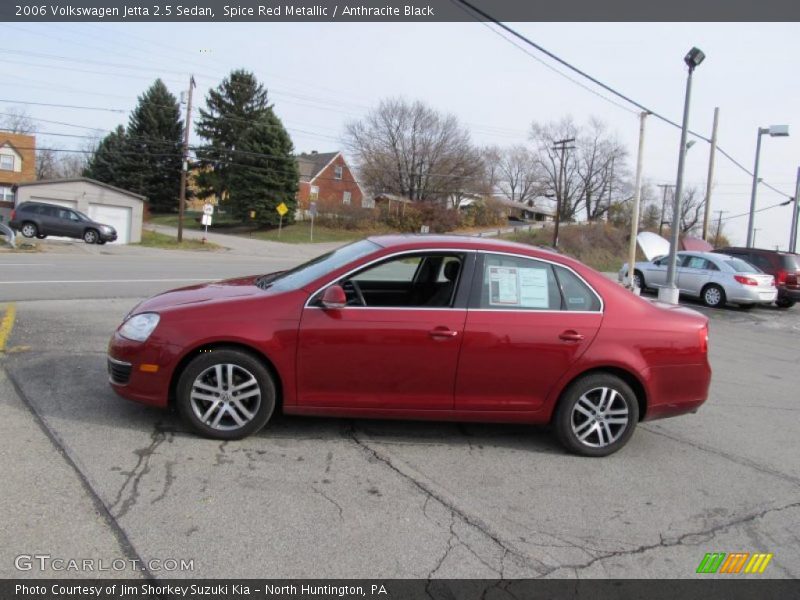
[(741, 266), (317, 267)]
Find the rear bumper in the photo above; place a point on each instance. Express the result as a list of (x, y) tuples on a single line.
[(792, 294), (752, 295), (676, 389)]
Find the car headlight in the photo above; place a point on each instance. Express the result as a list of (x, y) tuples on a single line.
[(139, 327), (107, 229)]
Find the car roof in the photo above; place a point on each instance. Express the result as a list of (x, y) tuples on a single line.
[(413, 241)]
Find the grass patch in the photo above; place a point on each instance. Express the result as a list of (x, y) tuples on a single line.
[(598, 245), (152, 239), (300, 233)]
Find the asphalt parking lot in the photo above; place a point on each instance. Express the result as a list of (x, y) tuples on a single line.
[(89, 474)]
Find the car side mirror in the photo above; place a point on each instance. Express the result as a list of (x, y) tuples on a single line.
[(334, 298)]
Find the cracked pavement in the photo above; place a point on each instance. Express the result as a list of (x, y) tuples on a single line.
[(344, 498)]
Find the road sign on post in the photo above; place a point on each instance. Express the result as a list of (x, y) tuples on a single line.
[(208, 209), (312, 208), (282, 210), (206, 220)]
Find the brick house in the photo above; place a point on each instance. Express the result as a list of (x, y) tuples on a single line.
[(17, 164), (326, 178)]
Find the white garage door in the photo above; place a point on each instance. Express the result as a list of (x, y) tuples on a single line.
[(119, 217)]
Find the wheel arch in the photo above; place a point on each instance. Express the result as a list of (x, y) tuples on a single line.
[(626, 375), (226, 345)]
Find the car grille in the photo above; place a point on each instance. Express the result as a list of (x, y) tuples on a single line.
[(119, 372)]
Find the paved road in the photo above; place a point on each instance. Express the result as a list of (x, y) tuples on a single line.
[(344, 498)]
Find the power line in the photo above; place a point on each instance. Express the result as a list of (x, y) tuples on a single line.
[(558, 59)]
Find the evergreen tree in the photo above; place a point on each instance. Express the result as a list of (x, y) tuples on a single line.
[(110, 161), (155, 139), (264, 173), (232, 109)]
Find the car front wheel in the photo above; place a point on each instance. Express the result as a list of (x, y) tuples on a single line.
[(90, 236), (29, 230), (596, 415), (226, 394)]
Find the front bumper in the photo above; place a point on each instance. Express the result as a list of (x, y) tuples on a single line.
[(108, 237), (130, 367)]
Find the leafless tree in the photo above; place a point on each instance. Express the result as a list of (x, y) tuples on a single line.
[(587, 173), (692, 207), (601, 168), (52, 164), (518, 174), (559, 164), (409, 149), (17, 120)]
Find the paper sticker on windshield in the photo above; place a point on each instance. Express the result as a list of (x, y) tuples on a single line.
[(533, 288), (503, 286)]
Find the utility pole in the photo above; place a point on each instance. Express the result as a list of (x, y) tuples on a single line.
[(719, 227), (755, 230), (610, 184), (637, 195), (560, 145), (665, 187), (710, 180), (185, 161)]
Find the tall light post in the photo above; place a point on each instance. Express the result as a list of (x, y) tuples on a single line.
[(773, 131), (693, 58), (795, 199)]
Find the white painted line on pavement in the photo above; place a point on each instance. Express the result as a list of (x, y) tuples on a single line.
[(105, 281), (25, 264)]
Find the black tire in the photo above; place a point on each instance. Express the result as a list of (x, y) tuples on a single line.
[(202, 370), (713, 296), (101, 242), (90, 236), (29, 229), (784, 303), (638, 280), (570, 422)]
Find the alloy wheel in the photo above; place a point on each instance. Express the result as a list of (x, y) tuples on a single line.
[(712, 296), (225, 397), (599, 417)]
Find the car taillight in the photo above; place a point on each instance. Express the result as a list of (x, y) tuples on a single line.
[(744, 280), (781, 278), (13, 214), (704, 339)]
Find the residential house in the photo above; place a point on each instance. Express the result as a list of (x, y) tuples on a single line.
[(326, 178), (17, 164)]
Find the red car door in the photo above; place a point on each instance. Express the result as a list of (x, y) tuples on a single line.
[(528, 322), (384, 357)]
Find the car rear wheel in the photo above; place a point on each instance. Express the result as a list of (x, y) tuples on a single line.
[(596, 415), (713, 296), (226, 394), (784, 303), (29, 230), (90, 236)]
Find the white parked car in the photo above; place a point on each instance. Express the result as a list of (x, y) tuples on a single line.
[(716, 279)]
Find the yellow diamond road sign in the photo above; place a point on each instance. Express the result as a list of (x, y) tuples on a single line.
[(282, 209)]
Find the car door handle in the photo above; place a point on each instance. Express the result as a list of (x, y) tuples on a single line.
[(442, 333), (570, 335)]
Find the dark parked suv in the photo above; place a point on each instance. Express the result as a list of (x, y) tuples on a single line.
[(784, 266), (37, 219)]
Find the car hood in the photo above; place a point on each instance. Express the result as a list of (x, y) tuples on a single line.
[(205, 292), (652, 245)]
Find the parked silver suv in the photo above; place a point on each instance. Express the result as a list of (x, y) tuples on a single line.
[(37, 219)]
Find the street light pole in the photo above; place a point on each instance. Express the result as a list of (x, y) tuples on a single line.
[(637, 194), (773, 131), (670, 292), (793, 236)]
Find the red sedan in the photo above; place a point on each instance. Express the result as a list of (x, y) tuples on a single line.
[(417, 327)]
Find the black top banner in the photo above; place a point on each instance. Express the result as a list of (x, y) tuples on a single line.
[(398, 10)]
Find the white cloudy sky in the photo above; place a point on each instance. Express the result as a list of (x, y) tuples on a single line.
[(322, 75)]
